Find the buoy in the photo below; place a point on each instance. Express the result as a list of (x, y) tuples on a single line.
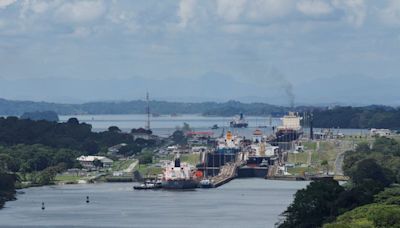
[(43, 206), (87, 199)]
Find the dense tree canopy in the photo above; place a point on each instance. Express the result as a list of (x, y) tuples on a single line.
[(363, 203), (45, 115), (72, 135), (358, 117), (313, 205)]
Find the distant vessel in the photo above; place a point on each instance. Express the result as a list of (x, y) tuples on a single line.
[(155, 114), (239, 122), (290, 130), (229, 144), (178, 175), (215, 127)]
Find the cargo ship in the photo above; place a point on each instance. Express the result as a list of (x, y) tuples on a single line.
[(179, 176), (290, 130), (239, 122)]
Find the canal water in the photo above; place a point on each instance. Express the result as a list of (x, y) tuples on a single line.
[(165, 125), (240, 203)]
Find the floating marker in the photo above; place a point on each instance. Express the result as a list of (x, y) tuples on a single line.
[(43, 206), (87, 199)]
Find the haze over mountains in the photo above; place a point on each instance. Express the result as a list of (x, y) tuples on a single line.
[(355, 90)]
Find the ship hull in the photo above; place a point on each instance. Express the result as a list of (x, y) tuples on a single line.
[(288, 135), (239, 125), (179, 184)]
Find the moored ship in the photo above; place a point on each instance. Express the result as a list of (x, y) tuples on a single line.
[(239, 122), (290, 130), (179, 175)]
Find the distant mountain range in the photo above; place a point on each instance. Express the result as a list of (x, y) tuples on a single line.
[(230, 108)]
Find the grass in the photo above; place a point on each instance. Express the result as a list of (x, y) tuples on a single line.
[(121, 165), (148, 169), (302, 170), (192, 159), (68, 178), (299, 158), (328, 150)]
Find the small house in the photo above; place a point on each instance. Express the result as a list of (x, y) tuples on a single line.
[(89, 162)]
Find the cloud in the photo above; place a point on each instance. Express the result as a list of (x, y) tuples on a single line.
[(80, 11), (39, 6), (355, 10), (390, 15), (230, 10), (186, 11), (5, 3), (314, 7), (253, 10), (81, 32)]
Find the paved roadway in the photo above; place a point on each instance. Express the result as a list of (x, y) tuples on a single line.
[(131, 166), (342, 147)]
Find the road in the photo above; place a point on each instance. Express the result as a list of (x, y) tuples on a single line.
[(342, 147), (131, 166)]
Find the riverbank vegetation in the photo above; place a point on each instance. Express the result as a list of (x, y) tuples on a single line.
[(369, 199), (33, 153)]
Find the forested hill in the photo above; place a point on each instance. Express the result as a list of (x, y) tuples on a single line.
[(343, 117), (229, 108), (358, 117)]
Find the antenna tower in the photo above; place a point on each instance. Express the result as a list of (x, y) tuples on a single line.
[(148, 111)]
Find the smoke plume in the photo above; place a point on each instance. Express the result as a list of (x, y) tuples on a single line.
[(280, 79)]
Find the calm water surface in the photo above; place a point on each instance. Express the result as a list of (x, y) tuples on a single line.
[(241, 203), (165, 125)]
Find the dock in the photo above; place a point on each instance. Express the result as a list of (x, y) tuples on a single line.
[(228, 172)]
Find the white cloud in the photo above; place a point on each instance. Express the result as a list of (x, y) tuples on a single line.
[(390, 15), (253, 10), (81, 11), (314, 7), (230, 10), (39, 6), (355, 10), (268, 9), (186, 11), (5, 3)]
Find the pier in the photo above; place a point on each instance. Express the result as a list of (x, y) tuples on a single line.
[(228, 172)]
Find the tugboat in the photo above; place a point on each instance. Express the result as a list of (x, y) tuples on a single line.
[(205, 183), (239, 122), (178, 176), (149, 185)]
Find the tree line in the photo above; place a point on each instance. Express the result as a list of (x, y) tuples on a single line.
[(229, 108), (38, 150), (358, 117)]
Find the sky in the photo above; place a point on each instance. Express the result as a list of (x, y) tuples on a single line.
[(273, 51)]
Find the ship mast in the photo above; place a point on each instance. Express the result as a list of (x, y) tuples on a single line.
[(148, 111)]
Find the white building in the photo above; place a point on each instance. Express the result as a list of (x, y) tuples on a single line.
[(88, 161), (380, 132)]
